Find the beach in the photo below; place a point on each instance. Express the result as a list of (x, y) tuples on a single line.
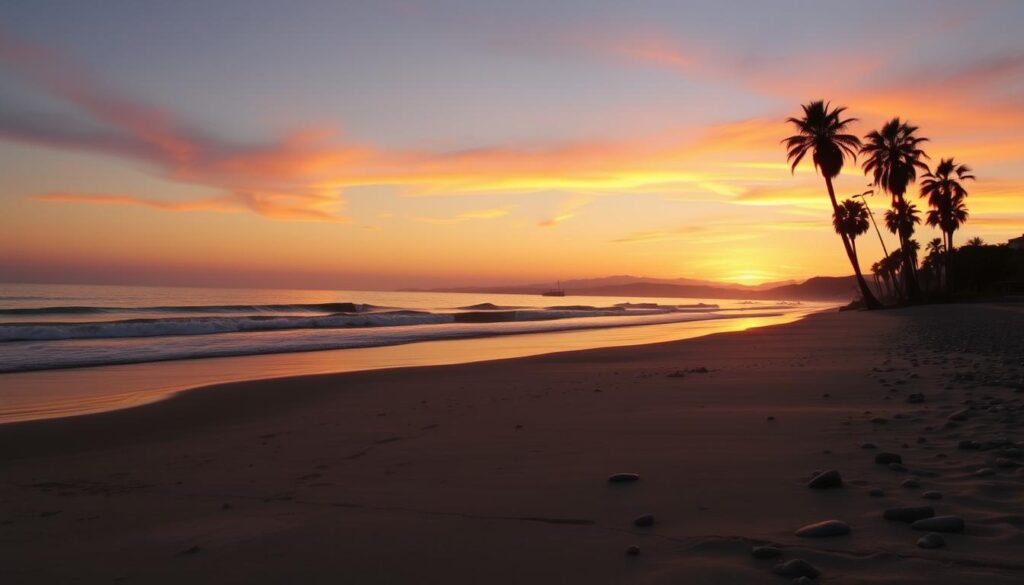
[(498, 471)]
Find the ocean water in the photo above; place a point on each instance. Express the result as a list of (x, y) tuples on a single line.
[(64, 326), (71, 349)]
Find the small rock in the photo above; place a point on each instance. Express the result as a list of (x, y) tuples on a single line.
[(985, 471), (796, 568), (932, 495), (967, 444), (633, 550), (897, 467), (911, 483), (916, 398), (887, 458), (623, 477), (959, 415), (825, 480), (931, 540), (868, 446), (940, 524), (909, 513), (770, 418), (644, 520), (824, 529), (766, 552)]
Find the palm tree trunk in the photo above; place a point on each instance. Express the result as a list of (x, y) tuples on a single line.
[(870, 301), (909, 266), (949, 259)]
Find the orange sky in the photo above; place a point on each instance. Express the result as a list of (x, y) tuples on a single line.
[(636, 148)]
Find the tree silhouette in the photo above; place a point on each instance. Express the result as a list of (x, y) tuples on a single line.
[(892, 159), (822, 132), (945, 191)]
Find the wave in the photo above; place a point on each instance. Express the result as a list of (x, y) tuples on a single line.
[(289, 308), (83, 352), (177, 326), (209, 325)]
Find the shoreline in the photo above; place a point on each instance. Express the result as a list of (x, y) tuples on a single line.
[(120, 386), (496, 471)]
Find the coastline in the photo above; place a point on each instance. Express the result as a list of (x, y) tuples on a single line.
[(496, 470), (44, 394)]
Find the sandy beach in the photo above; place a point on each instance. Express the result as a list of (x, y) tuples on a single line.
[(498, 472)]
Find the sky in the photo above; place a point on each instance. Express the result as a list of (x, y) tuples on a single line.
[(383, 144)]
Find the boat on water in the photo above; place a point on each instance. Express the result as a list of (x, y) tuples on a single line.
[(558, 291)]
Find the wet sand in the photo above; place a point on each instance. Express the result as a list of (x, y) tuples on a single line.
[(497, 472)]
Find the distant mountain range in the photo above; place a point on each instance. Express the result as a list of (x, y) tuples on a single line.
[(819, 288)]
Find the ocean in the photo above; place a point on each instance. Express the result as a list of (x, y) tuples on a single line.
[(83, 348)]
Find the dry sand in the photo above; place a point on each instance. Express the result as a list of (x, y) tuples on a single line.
[(497, 472)]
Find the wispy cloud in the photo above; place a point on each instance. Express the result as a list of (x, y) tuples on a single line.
[(493, 213)]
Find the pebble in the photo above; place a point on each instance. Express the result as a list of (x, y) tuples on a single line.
[(932, 495), (796, 568), (824, 529), (825, 480), (766, 552), (633, 550), (916, 398), (985, 471), (885, 458), (909, 513), (931, 540), (960, 414), (940, 524), (911, 483), (644, 520), (623, 477)]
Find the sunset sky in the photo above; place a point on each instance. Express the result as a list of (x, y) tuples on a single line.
[(393, 144)]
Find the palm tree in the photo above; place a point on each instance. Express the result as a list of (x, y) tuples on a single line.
[(892, 158), (851, 218), (901, 220), (823, 133), (933, 261), (975, 241), (945, 192)]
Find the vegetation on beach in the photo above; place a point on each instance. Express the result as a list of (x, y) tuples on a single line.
[(893, 158)]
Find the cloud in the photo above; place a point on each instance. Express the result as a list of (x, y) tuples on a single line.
[(493, 213)]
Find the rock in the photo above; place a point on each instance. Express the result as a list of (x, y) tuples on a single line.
[(897, 467), (623, 477), (959, 415), (911, 483), (940, 524), (796, 568), (967, 444), (802, 581), (1004, 462), (931, 540), (985, 471), (633, 550), (770, 418), (868, 446), (825, 480), (644, 520), (876, 493), (824, 529), (916, 398), (909, 513), (766, 552), (885, 458), (932, 495)]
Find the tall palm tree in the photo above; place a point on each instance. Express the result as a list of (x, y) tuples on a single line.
[(945, 191), (822, 132), (892, 158), (901, 220)]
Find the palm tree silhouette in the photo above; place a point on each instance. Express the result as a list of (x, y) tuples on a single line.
[(823, 133), (851, 218), (892, 158), (975, 241), (945, 192)]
